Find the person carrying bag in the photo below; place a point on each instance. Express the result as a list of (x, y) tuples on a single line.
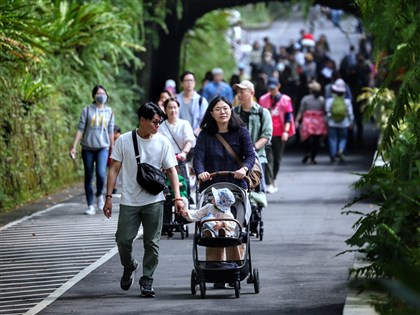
[(148, 177)]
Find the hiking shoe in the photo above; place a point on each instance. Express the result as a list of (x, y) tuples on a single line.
[(127, 278), (146, 288), (90, 210), (341, 157), (100, 202)]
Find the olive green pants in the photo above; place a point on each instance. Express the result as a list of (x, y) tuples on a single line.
[(129, 220)]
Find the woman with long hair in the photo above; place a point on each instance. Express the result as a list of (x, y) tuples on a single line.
[(211, 156)]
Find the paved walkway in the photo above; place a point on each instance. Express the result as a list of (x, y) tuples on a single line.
[(299, 270)]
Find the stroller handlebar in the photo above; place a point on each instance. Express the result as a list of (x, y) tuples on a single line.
[(223, 173)]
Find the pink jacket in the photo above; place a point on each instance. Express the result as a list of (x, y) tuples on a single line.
[(283, 106)]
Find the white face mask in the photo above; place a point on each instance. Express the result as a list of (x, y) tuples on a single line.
[(101, 99)]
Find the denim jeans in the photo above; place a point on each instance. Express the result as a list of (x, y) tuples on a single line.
[(94, 160), (129, 220), (337, 140)]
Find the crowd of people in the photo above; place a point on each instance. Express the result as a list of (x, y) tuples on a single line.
[(222, 127)]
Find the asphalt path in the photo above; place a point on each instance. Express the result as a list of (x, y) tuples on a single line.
[(300, 272)]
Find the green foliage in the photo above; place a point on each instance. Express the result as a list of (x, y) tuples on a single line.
[(52, 54), (262, 14), (205, 47), (389, 236)]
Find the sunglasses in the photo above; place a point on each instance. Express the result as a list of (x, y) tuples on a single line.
[(157, 122)]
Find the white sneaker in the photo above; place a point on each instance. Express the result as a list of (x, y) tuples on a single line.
[(270, 189), (100, 202), (90, 210)]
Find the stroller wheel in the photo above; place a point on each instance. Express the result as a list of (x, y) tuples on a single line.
[(237, 289), (170, 233), (256, 278), (261, 231), (182, 234), (203, 290), (194, 279)]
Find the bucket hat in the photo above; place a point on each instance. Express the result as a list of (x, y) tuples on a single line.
[(339, 86), (223, 198), (314, 86)]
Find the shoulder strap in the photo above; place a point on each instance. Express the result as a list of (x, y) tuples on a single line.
[(172, 135), (276, 99), (229, 148), (87, 119), (136, 146), (200, 100), (260, 113)]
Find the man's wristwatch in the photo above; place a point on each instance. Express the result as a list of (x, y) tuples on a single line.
[(245, 168)]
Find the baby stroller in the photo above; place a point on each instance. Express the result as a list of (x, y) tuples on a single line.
[(228, 270), (256, 221), (258, 202), (172, 222)]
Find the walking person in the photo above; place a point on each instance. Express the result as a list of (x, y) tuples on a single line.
[(313, 127), (180, 134), (192, 105), (280, 106), (218, 87), (163, 96), (339, 119), (256, 118), (210, 155), (96, 133), (137, 206)]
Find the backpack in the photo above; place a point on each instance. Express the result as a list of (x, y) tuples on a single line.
[(338, 109), (238, 109)]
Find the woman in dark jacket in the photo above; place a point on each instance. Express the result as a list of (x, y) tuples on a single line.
[(211, 156)]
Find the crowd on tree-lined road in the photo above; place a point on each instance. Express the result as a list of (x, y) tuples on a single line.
[(256, 113)]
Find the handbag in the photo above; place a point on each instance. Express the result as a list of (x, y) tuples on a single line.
[(254, 174), (148, 177)]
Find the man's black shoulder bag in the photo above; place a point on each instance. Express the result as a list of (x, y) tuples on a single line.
[(149, 177)]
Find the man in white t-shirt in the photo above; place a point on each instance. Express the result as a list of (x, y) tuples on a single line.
[(137, 206)]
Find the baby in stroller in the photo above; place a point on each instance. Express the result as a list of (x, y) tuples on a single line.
[(219, 208)]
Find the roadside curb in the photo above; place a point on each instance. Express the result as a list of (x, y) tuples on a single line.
[(357, 303)]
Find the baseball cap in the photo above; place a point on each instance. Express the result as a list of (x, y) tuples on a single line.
[(223, 198), (272, 83), (245, 84)]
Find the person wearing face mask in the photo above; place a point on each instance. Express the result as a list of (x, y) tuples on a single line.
[(95, 132)]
